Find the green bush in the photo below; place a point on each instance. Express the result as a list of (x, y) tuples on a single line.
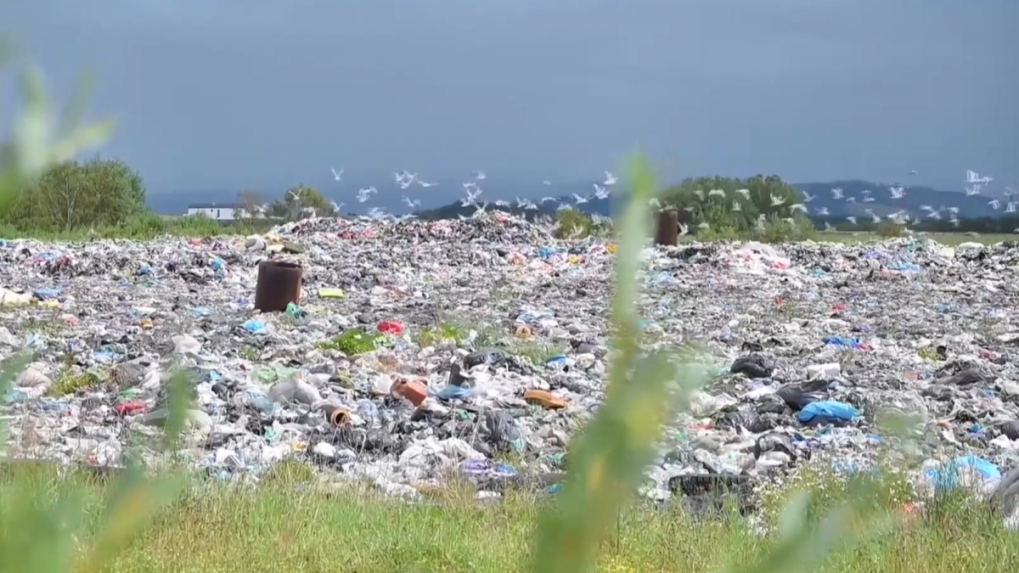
[(297, 200), (831, 486), (571, 223), (720, 233), (889, 229), (736, 212), (781, 230), (74, 195)]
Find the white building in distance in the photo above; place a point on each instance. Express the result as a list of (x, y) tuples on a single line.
[(218, 211)]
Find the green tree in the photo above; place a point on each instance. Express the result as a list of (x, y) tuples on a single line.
[(70, 195), (298, 201), (733, 206), (250, 201)]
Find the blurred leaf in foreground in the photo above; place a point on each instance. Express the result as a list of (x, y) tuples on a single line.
[(607, 462), (137, 498)]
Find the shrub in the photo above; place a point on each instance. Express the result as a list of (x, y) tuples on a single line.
[(577, 224), (833, 482), (889, 229), (781, 230), (73, 195)]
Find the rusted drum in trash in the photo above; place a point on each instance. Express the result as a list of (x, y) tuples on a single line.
[(279, 284), (668, 229)]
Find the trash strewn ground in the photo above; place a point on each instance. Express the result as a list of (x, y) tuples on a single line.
[(420, 351)]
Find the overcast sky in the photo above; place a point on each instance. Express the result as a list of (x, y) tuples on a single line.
[(259, 93)]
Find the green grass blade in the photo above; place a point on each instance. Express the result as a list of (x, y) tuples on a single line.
[(608, 460)]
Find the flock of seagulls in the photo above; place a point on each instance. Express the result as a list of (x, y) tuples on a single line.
[(974, 184), (473, 197), (473, 191)]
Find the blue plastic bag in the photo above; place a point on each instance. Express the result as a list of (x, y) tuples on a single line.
[(827, 412)]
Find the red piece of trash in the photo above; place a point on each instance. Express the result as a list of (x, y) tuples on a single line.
[(390, 327), (129, 408), (838, 308)]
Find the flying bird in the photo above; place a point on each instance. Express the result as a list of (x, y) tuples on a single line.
[(836, 193), (974, 177), (610, 179), (337, 175), (897, 192)]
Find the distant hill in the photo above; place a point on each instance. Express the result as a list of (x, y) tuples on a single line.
[(972, 206)]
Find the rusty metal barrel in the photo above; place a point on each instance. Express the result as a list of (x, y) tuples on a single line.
[(279, 284), (667, 234)]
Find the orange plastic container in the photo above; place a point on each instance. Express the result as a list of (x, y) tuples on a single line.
[(545, 399), (415, 392)]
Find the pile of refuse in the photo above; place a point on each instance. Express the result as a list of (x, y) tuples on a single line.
[(403, 353)]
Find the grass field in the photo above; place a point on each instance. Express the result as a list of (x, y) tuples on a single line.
[(214, 529)]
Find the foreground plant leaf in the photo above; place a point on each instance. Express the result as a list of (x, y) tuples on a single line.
[(137, 497), (607, 462), (9, 372)]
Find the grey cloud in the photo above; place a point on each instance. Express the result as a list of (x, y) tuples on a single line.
[(229, 94)]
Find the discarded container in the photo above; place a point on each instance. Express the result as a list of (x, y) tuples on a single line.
[(337, 416), (544, 399), (415, 392), (668, 229), (279, 284)]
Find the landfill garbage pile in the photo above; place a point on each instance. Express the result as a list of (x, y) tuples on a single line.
[(418, 351)]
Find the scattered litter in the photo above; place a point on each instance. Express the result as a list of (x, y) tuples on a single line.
[(397, 351)]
